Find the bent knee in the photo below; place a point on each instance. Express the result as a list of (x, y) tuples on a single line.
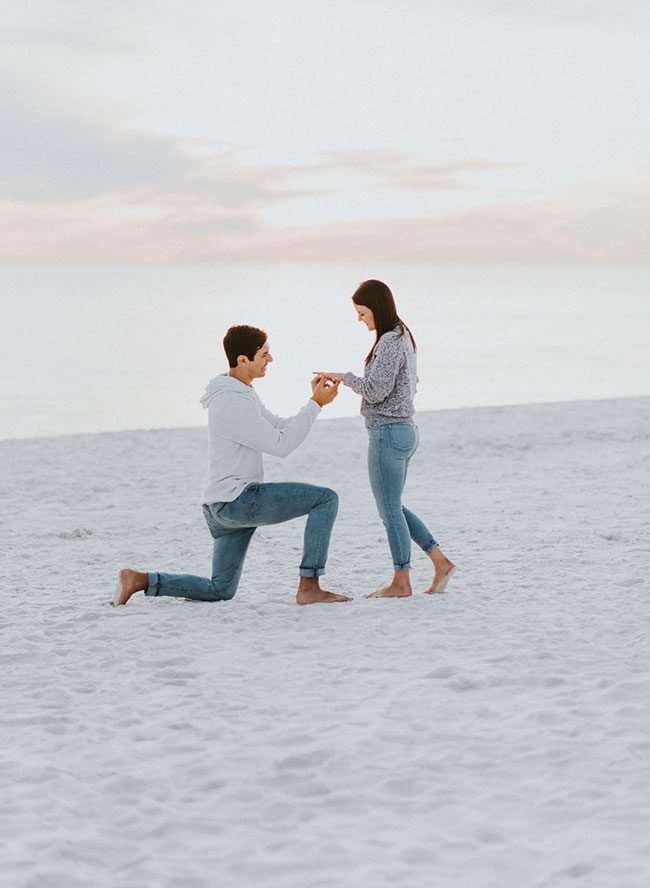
[(216, 594), (330, 496)]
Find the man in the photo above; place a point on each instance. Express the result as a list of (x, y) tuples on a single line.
[(236, 500)]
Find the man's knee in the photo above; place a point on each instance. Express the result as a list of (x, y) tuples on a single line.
[(330, 496), (217, 593)]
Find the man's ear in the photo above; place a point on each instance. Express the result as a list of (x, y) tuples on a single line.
[(242, 360)]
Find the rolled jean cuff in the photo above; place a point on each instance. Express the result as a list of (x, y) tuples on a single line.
[(406, 566), (154, 583), (431, 547), (312, 571)]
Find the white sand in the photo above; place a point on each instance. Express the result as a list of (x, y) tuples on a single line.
[(496, 736)]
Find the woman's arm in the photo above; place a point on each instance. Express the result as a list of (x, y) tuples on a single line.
[(382, 374)]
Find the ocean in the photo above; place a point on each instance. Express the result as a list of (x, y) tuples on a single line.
[(98, 349)]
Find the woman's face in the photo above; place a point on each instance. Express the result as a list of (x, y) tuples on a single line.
[(365, 316)]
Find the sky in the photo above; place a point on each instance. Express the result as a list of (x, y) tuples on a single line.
[(421, 130)]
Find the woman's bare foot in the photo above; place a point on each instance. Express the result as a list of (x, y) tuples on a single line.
[(128, 583), (443, 571), (310, 592), (392, 591), (399, 588)]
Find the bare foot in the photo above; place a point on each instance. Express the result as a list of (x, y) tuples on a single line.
[(444, 568), (310, 592), (392, 591), (128, 583)]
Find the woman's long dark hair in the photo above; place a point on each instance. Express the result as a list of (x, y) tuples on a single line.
[(377, 296)]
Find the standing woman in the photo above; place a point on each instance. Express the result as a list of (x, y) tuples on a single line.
[(387, 391)]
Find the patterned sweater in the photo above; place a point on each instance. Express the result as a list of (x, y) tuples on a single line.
[(389, 383)]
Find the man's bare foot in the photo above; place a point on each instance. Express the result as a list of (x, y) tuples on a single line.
[(392, 591), (444, 568), (128, 583), (310, 592)]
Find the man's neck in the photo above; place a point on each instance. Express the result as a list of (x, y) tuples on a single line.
[(241, 376)]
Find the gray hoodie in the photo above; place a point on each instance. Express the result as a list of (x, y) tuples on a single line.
[(240, 430)]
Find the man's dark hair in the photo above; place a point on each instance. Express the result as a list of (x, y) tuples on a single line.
[(243, 340)]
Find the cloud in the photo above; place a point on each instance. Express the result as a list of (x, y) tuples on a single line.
[(49, 154), (397, 171), (603, 223), (113, 230), (606, 223), (74, 190)]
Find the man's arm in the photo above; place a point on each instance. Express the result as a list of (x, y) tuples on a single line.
[(247, 426), (321, 393), (278, 422)]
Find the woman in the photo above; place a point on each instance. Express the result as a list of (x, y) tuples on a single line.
[(387, 390)]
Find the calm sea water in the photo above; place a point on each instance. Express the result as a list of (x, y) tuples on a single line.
[(93, 349)]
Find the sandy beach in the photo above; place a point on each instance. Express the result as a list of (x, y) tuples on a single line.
[(494, 737)]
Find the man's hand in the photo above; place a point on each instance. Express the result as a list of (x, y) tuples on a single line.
[(324, 391)]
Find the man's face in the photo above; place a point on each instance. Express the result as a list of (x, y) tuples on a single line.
[(260, 362)]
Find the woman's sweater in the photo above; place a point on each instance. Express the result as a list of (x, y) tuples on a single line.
[(389, 383)]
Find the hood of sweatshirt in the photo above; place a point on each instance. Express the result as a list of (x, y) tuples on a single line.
[(224, 384)]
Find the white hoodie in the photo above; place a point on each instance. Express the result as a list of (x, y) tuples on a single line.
[(240, 430)]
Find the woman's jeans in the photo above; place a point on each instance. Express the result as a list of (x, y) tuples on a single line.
[(390, 449), (232, 526)]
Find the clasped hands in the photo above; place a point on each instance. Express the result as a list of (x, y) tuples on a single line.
[(325, 387)]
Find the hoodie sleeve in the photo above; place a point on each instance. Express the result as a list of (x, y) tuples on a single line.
[(247, 426), (278, 422), (382, 374)]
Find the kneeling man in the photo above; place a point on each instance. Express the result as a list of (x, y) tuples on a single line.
[(236, 500)]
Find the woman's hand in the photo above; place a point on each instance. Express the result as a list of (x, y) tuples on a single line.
[(334, 377)]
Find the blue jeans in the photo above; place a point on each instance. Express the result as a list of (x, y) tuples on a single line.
[(232, 526), (390, 449)]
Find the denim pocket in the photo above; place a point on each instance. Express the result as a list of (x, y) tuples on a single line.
[(240, 512), (402, 437)]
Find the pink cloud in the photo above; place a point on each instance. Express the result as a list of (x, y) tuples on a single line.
[(605, 223), (399, 172)]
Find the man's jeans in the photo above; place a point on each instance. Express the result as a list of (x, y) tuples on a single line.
[(232, 526), (390, 449)]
